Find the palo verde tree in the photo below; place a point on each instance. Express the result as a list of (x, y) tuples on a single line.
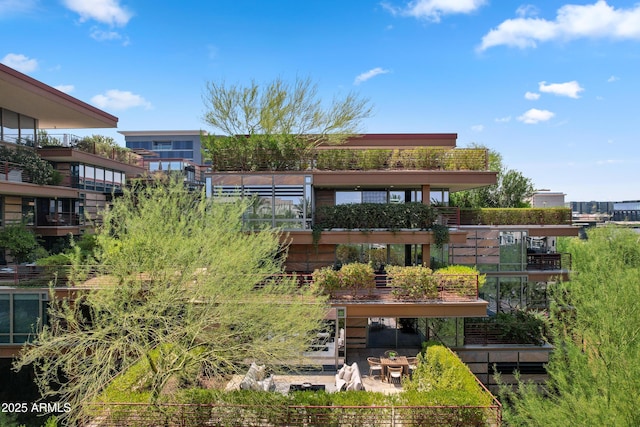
[(284, 119), (510, 190), (594, 374), (182, 286)]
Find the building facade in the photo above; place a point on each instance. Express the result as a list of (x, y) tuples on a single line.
[(381, 172), (81, 180)]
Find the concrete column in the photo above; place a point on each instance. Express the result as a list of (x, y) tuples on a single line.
[(426, 248)]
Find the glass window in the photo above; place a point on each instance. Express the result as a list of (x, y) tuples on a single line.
[(183, 145), (346, 197), (10, 126), (374, 197), (27, 130), (4, 314), (161, 145)]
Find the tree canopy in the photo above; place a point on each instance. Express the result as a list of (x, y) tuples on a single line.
[(177, 276), (594, 374), (282, 108), (510, 190)]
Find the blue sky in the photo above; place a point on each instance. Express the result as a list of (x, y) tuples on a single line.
[(551, 85)]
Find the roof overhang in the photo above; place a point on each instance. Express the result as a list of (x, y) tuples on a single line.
[(453, 180), (52, 108)]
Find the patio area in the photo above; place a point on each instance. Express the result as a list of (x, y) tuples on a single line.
[(327, 377)]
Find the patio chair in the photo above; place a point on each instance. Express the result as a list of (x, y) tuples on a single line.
[(374, 365), (394, 374), (413, 364)]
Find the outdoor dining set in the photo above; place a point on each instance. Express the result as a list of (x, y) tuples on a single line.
[(391, 367)]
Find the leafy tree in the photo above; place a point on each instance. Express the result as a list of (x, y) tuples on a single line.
[(21, 242), (181, 281), (594, 375), (510, 190), (287, 119)]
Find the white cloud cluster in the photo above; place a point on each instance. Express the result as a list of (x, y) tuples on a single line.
[(20, 62), (598, 20), (14, 7), (531, 96), (369, 74), (534, 116), (115, 99), (105, 11), (65, 88), (432, 10), (570, 89)]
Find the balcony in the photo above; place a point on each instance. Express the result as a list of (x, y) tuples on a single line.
[(548, 261), (14, 172), (105, 150), (515, 216), (424, 158)]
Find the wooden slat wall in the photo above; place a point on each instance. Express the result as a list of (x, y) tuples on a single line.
[(356, 332), (306, 258), (325, 197), (12, 209), (482, 247)]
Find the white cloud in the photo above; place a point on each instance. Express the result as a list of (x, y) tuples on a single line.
[(119, 100), (65, 88), (503, 119), (570, 89), (105, 11), (531, 96), (534, 116), (598, 20), (526, 10), (613, 79), (477, 128), (369, 74), (432, 10), (14, 7), (20, 62), (101, 36)]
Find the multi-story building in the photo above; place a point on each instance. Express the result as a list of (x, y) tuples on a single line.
[(518, 258), (65, 202), (161, 145)]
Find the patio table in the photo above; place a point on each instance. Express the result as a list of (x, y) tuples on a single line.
[(397, 361)]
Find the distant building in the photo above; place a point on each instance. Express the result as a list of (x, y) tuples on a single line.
[(547, 199), (626, 211), (178, 144)]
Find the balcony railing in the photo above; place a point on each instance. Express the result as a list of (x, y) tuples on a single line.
[(548, 261), (117, 153), (14, 172), (451, 287), (425, 158), (196, 415)]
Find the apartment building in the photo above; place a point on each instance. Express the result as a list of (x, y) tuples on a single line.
[(81, 181), (518, 259)]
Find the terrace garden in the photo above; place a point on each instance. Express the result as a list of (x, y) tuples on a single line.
[(441, 389)]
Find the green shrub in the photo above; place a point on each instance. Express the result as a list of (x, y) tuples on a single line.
[(412, 282), (357, 276), (327, 279), (460, 279)]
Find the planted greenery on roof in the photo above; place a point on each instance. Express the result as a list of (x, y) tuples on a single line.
[(515, 216)]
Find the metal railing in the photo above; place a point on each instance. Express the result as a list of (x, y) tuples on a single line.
[(450, 287), (197, 415), (14, 172), (120, 154), (549, 261)]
